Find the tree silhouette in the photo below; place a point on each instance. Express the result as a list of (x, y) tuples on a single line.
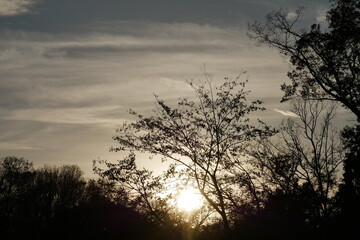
[(57, 203), (16, 179), (349, 193), (326, 66), (141, 184), (326, 63), (56, 189), (205, 140), (305, 158)]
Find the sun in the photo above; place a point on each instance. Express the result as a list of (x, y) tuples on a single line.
[(189, 200)]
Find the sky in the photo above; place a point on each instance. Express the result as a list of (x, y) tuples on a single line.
[(71, 69)]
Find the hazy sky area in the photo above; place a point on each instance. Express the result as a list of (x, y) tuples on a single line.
[(70, 69)]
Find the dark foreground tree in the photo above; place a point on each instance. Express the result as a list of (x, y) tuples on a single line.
[(349, 193), (326, 63), (16, 181), (56, 189), (205, 140), (351, 138)]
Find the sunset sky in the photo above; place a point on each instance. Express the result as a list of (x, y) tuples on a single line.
[(70, 69)]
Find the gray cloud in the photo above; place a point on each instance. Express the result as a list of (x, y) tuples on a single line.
[(82, 15), (16, 7), (47, 89), (43, 70), (321, 14)]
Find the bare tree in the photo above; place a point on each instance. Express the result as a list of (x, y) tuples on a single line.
[(201, 138), (307, 152)]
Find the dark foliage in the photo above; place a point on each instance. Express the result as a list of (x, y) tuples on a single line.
[(348, 196), (57, 203), (326, 63), (105, 221)]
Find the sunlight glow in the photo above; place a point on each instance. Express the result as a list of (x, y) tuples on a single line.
[(189, 200)]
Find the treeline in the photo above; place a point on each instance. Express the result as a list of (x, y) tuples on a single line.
[(58, 203)]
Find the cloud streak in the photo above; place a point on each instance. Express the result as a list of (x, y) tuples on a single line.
[(286, 113), (15, 146), (91, 115)]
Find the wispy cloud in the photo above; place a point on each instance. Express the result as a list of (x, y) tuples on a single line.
[(68, 71), (92, 115), (15, 146), (15, 7), (78, 79), (286, 113)]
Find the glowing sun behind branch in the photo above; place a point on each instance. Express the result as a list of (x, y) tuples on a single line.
[(189, 200)]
